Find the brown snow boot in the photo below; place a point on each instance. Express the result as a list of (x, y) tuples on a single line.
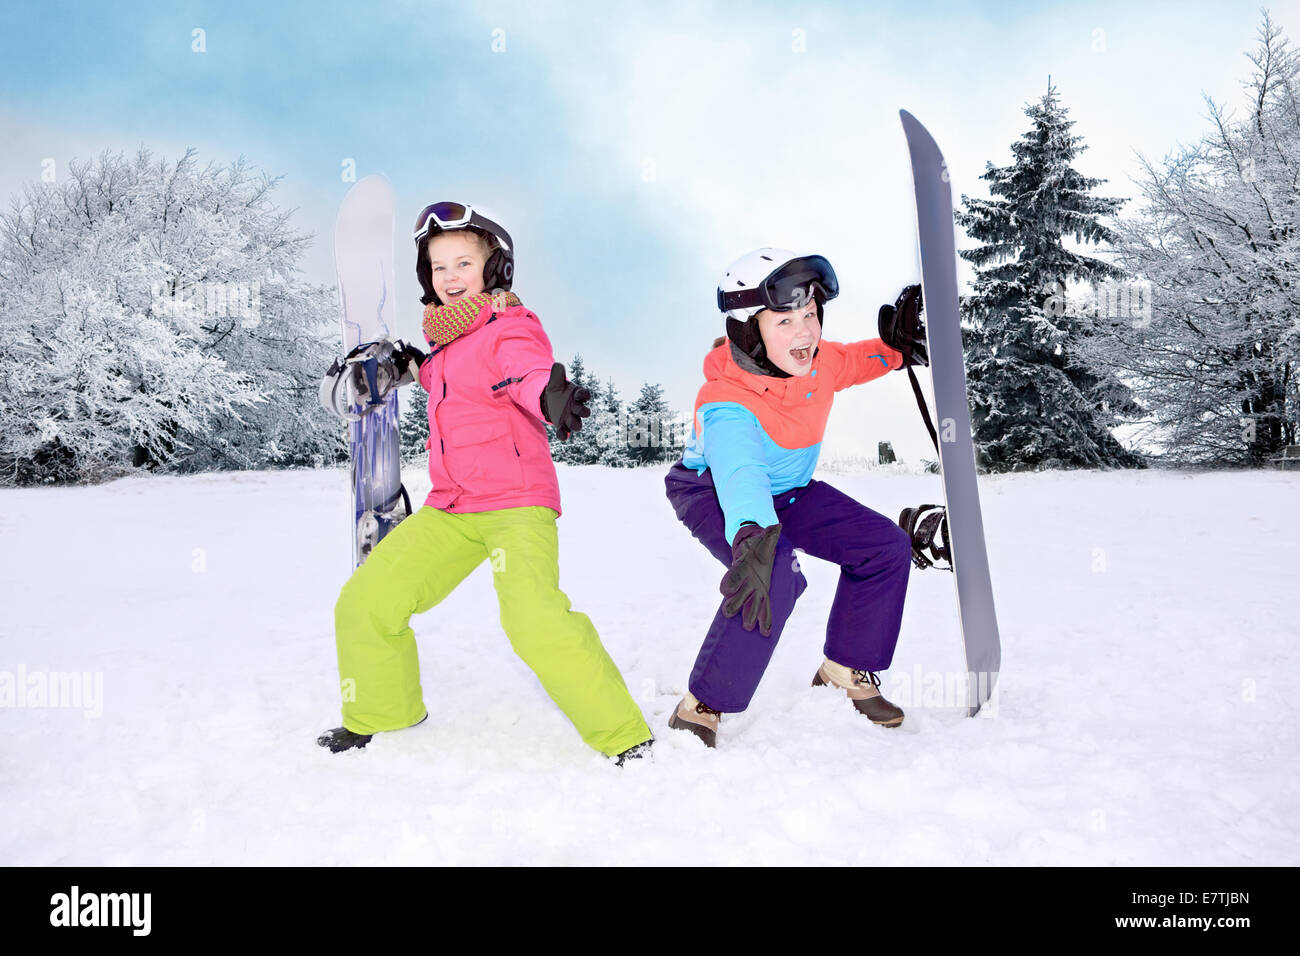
[(863, 688), (700, 719)]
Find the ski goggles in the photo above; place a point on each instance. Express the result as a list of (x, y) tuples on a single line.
[(456, 215), (786, 287)]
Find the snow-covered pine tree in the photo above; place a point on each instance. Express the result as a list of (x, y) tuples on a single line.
[(150, 309), (413, 423), (1032, 406), (650, 427), (577, 372), (611, 428), (1218, 237), (614, 434)]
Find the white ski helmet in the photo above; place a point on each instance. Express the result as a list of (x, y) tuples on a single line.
[(748, 272), (770, 278)]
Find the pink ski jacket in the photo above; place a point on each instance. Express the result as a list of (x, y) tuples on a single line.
[(487, 438)]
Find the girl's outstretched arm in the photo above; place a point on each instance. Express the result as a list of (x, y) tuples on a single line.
[(524, 357)]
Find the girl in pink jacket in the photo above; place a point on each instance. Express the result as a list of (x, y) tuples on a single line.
[(493, 384)]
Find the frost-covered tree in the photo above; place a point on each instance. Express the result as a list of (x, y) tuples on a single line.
[(153, 315), (652, 428), (609, 420), (1218, 238), (599, 441), (1032, 404), (413, 422)]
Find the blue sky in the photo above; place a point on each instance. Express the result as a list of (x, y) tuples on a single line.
[(633, 150)]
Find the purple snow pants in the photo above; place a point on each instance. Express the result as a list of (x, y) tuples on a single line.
[(874, 555)]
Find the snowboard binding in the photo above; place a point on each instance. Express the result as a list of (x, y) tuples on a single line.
[(927, 526), (358, 383), (374, 524)]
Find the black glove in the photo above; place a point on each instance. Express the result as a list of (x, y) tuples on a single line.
[(748, 584), (901, 327), (564, 404), (407, 356)]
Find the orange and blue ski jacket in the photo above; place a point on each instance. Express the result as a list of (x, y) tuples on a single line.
[(761, 435)]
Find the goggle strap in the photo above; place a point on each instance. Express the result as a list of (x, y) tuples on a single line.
[(749, 298), (740, 299)]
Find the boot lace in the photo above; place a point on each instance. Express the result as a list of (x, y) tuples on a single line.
[(703, 708), (866, 677)]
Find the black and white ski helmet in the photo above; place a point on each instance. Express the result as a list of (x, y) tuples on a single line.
[(770, 277), (498, 271), (748, 272)]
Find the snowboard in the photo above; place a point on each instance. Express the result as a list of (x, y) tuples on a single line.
[(970, 565), (363, 263)]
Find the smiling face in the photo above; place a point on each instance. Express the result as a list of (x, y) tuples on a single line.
[(456, 261), (791, 338)]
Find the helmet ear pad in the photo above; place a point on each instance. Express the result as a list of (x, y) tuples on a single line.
[(499, 271), (424, 273), (747, 337)]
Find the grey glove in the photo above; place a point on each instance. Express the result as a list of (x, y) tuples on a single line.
[(748, 583)]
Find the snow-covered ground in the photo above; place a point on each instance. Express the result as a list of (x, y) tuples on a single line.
[(1149, 624)]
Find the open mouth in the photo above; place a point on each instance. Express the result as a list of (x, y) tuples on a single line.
[(802, 355), (454, 293)]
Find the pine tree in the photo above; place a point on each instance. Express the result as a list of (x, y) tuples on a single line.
[(413, 425), (611, 428), (1032, 404), (648, 419), (578, 371), (615, 434)]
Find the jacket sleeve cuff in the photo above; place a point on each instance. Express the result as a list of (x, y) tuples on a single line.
[(527, 392), (763, 520)]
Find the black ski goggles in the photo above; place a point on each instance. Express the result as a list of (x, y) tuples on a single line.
[(455, 215), (787, 287)]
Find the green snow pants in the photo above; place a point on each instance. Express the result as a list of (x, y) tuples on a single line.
[(418, 564)]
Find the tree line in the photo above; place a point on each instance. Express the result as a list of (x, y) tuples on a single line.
[(645, 431), (1188, 333), (154, 315)]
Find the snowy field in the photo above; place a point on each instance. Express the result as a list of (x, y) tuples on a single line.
[(1149, 625)]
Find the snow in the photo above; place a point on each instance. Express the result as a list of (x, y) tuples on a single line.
[(1144, 714)]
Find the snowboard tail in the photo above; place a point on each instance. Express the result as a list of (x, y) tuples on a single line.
[(954, 444), (379, 499)]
